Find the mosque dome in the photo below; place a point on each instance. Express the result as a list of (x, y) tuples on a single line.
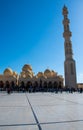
[(60, 76), (28, 75), (26, 67), (28, 71), (48, 73), (40, 74), (54, 73), (22, 74), (8, 72), (14, 73)]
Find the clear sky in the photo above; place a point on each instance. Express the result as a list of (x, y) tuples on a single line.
[(31, 33)]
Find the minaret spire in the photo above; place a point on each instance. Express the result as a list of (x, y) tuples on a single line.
[(69, 64)]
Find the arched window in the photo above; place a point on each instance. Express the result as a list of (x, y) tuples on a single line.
[(7, 84), (45, 84), (1, 84), (49, 84), (65, 70), (28, 84), (55, 84)]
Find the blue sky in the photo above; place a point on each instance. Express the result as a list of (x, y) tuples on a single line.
[(31, 33)]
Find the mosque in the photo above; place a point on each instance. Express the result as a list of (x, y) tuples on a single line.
[(27, 77), (49, 77)]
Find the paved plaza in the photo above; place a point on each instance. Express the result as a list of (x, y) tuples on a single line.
[(41, 111)]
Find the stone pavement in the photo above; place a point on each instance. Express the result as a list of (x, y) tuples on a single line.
[(41, 111)]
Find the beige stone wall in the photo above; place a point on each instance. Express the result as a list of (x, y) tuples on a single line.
[(7, 78), (80, 85)]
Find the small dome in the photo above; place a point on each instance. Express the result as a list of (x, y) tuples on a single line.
[(54, 73), (8, 72), (14, 73), (40, 74), (22, 74), (48, 73), (60, 76), (26, 67)]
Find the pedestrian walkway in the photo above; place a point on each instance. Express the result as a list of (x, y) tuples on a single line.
[(41, 111)]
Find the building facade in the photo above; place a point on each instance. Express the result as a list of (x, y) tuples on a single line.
[(48, 79)]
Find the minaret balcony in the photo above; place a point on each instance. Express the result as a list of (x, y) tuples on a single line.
[(65, 11), (67, 34), (66, 21)]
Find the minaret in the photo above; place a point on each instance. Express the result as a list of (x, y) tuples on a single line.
[(69, 64)]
